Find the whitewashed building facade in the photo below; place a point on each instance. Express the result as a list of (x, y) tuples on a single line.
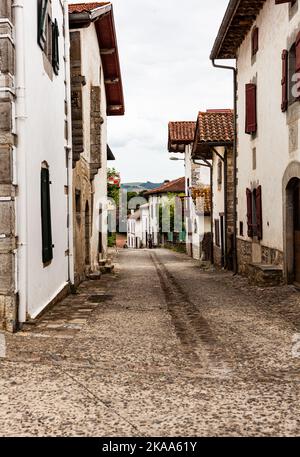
[(266, 47), (97, 93), (36, 261), (197, 180)]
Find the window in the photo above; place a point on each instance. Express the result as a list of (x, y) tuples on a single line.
[(241, 228), (251, 119), (78, 203), (55, 50), (220, 172), (217, 233), (48, 34), (254, 213), (47, 247), (291, 71)]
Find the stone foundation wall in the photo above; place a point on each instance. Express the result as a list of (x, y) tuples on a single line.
[(8, 298), (217, 257), (269, 256)]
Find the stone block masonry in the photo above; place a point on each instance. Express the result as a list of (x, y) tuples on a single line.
[(8, 297)]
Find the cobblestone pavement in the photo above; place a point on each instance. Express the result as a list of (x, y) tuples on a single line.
[(160, 348)]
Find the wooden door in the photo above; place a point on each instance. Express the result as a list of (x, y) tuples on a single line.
[(297, 232)]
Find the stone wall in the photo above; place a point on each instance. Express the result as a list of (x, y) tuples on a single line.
[(82, 195), (95, 135), (269, 256), (8, 298), (244, 255), (217, 257), (230, 208), (77, 81)]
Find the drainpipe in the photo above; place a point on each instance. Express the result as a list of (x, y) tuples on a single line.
[(21, 200), (234, 70), (69, 145)]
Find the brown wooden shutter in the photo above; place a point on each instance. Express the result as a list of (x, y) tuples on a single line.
[(284, 80), (297, 45), (251, 121), (55, 47), (249, 213), (259, 221)]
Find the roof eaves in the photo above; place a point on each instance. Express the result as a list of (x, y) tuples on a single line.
[(229, 14)]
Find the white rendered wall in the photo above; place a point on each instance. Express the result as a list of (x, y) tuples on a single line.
[(45, 141), (276, 33)]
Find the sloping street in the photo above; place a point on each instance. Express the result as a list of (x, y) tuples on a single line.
[(159, 348)]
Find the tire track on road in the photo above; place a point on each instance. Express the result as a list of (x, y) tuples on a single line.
[(197, 338)]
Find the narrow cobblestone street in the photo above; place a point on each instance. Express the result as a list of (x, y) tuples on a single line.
[(160, 348)]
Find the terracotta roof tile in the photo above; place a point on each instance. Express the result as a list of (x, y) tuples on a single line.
[(83, 7), (176, 186), (215, 126), (182, 131)]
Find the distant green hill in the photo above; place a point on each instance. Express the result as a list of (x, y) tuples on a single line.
[(140, 186)]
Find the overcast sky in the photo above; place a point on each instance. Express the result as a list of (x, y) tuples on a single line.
[(164, 49)]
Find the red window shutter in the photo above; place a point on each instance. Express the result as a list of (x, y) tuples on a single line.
[(297, 45), (249, 213), (284, 80), (259, 221), (251, 122)]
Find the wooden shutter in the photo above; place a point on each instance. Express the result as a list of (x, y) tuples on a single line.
[(47, 248), (251, 121), (284, 80), (297, 46), (259, 221), (255, 34), (249, 213), (55, 48), (42, 16)]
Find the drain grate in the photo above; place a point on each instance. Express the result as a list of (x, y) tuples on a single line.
[(99, 298)]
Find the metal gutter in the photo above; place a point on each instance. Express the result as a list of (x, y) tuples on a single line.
[(234, 70)]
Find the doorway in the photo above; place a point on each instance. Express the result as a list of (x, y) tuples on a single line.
[(87, 234), (293, 231), (296, 226)]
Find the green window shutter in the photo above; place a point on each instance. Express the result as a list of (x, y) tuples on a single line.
[(47, 247), (55, 48), (42, 16)]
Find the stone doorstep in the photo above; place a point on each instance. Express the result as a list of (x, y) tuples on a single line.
[(267, 268), (264, 275)]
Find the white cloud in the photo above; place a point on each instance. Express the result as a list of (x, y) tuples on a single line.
[(164, 50)]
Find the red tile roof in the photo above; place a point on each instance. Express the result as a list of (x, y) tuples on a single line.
[(180, 134), (215, 126), (85, 7), (176, 186)]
